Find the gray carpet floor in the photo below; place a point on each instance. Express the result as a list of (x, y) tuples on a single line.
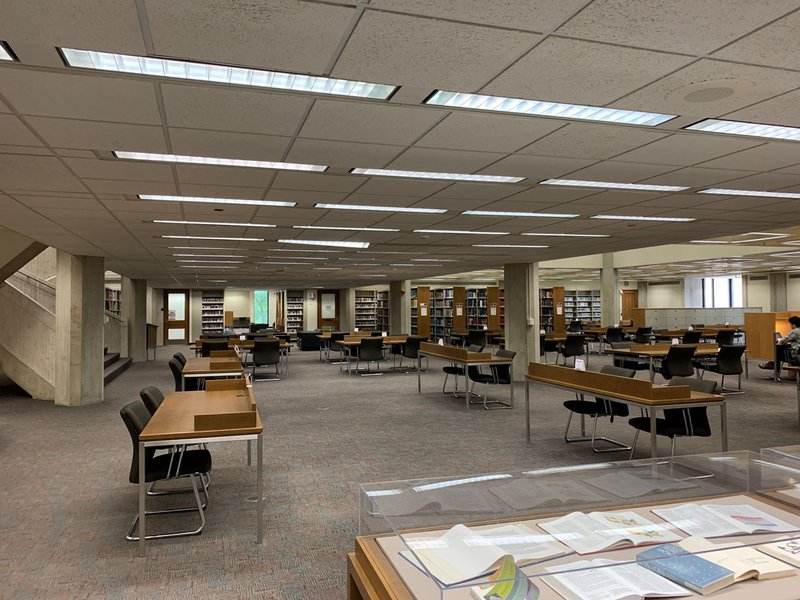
[(66, 501)]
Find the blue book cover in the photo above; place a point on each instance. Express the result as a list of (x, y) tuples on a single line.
[(689, 570)]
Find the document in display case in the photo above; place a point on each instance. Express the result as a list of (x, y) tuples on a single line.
[(586, 532)]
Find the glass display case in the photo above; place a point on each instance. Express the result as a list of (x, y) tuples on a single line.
[(604, 530)]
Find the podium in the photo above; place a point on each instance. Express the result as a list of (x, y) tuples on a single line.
[(152, 340)]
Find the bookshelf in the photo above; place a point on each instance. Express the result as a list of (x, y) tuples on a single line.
[(212, 312), (502, 308), (294, 311), (495, 308), (420, 311), (382, 311), (582, 305), (441, 312), (366, 309), (476, 308), (113, 301), (414, 327), (546, 309)]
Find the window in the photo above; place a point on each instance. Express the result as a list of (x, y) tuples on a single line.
[(261, 306), (722, 292)]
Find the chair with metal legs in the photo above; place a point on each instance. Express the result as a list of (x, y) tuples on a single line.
[(175, 465), (500, 375), (599, 408), (267, 352), (546, 346), (574, 346), (692, 337), (411, 350), (456, 371), (727, 362), (370, 350)]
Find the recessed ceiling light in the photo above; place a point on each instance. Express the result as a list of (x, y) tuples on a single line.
[(212, 223), (217, 281), (5, 52), (212, 262), (335, 244), (205, 267), (212, 255), (506, 246), (641, 218), (218, 162), (749, 129), (460, 232), (709, 242), (726, 192), (327, 268), (281, 262), (399, 209), (305, 250), (434, 260), (504, 213), (374, 275), (195, 248), (433, 175), (304, 257), (760, 236), (387, 252), (203, 237), (613, 185), (381, 229), (547, 109), (207, 72), (410, 265), (585, 235), (201, 200)]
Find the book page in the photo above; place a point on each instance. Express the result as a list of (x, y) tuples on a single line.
[(629, 525), (522, 543), (786, 550), (629, 485), (522, 494), (580, 532), (748, 518), (696, 520), (744, 561)]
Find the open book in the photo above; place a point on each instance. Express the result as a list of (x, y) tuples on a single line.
[(679, 565), (625, 484), (462, 554), (522, 494), (746, 562), (717, 520), (614, 581), (606, 530), (786, 550)]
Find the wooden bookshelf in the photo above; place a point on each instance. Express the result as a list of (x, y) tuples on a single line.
[(382, 322), (294, 311), (366, 310), (582, 305), (493, 307), (459, 306), (420, 311), (212, 312), (476, 308), (112, 301), (441, 312)]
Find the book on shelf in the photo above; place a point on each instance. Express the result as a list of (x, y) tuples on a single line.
[(746, 562), (602, 579), (787, 550), (688, 570), (509, 582), (717, 520), (598, 531), (462, 553)]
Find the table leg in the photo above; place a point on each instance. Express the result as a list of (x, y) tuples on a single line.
[(746, 366), (797, 378), (511, 378), (259, 487), (653, 438), (183, 382), (652, 370), (249, 453), (528, 410), (466, 384), (723, 425), (419, 378), (142, 496)]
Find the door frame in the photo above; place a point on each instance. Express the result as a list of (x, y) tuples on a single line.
[(165, 313), (336, 320), (631, 294)]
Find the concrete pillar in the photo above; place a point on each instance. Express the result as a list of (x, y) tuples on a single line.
[(347, 309), (609, 292), (521, 313), (79, 329), (778, 292), (134, 313), (400, 307)]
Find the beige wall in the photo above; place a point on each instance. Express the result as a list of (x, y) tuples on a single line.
[(665, 296), (240, 301), (757, 293), (793, 293)]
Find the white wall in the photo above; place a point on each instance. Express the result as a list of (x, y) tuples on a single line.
[(793, 293), (665, 296), (758, 293), (240, 301)]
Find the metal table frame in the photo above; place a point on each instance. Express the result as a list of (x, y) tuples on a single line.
[(466, 364)]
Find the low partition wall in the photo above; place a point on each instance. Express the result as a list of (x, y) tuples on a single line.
[(682, 318)]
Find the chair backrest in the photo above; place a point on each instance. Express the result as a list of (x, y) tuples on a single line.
[(209, 345), (223, 354), (377, 334), (609, 407), (614, 334), (643, 335), (574, 345), (258, 327), (698, 325), (678, 362), (411, 347), (370, 348), (691, 421), (136, 416), (152, 398), (729, 359), (502, 373), (574, 326), (476, 337), (180, 358), (475, 348), (176, 369), (692, 337), (725, 337), (266, 352)]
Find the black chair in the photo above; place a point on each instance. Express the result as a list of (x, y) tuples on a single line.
[(370, 350), (613, 335), (152, 398), (679, 421), (636, 363), (574, 345), (254, 327), (728, 362), (725, 337), (574, 326), (411, 350), (475, 337), (642, 335), (192, 384), (266, 353), (692, 337), (183, 463), (600, 407), (678, 362), (499, 375), (180, 358), (213, 345), (457, 371), (335, 346), (308, 340), (546, 346)]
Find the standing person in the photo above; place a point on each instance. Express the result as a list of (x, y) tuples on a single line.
[(791, 341)]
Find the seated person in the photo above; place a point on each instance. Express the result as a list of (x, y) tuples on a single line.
[(792, 343)]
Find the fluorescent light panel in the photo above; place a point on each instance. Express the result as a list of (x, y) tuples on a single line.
[(217, 162), (304, 250), (578, 235), (201, 200), (434, 175), (212, 223), (203, 237), (641, 218), (434, 260), (343, 228), (460, 232), (504, 213), (546, 109), (195, 248), (281, 262), (777, 132), (5, 52), (506, 246), (194, 71), (399, 209), (206, 267), (614, 186), (754, 193), (327, 243), (212, 255)]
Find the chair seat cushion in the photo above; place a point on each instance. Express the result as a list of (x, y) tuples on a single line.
[(483, 378), (662, 426), (582, 407), (193, 461), (453, 370)]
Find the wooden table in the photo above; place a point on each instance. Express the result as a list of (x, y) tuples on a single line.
[(634, 392), (350, 342), (247, 346), (465, 358), (654, 351), (201, 418), (211, 367)]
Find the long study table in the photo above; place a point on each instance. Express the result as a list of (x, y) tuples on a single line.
[(660, 351), (208, 368)]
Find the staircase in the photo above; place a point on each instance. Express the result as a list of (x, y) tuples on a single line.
[(113, 365)]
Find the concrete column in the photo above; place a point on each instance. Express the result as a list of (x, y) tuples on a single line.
[(400, 307), (609, 292), (79, 329), (778, 292), (347, 309), (134, 313), (522, 309)]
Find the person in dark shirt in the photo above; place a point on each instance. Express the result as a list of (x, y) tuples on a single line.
[(791, 341)]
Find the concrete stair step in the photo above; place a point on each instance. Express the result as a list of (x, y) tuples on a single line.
[(110, 359), (116, 368)]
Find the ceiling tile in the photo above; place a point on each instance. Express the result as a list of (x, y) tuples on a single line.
[(119, 186), (342, 154), (19, 173), (119, 169), (287, 180), (696, 177), (225, 144), (535, 168), (584, 140), (618, 171), (774, 45), (780, 110), (94, 135), (213, 175), (394, 186), (687, 149), (772, 155), (401, 49), (453, 161), (14, 132)]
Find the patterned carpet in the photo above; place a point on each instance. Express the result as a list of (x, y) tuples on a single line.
[(66, 501)]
